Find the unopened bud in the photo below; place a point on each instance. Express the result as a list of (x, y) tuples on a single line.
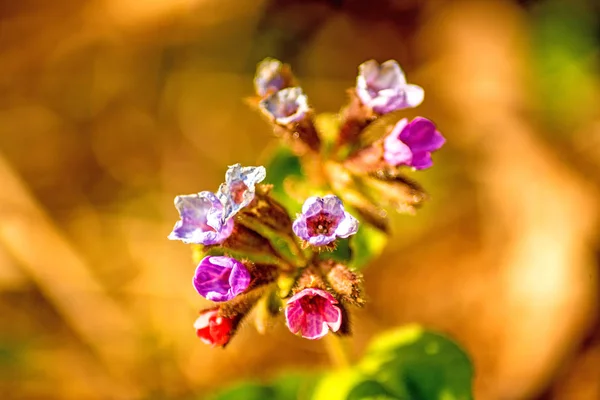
[(346, 283)]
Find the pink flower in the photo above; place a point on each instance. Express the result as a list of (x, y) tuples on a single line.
[(213, 329), (312, 313), (411, 143)]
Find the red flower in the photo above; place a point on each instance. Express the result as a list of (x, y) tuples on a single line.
[(213, 329)]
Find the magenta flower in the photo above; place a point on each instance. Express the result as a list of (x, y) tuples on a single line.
[(286, 106), (324, 219), (220, 278), (383, 88), (270, 77), (411, 143), (200, 219), (312, 313), (239, 188)]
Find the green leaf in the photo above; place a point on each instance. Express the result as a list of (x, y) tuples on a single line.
[(370, 390), (342, 252), (424, 365), (287, 387), (337, 385), (366, 244), (283, 168)]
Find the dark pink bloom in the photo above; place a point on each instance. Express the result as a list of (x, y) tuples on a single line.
[(220, 278), (411, 143), (383, 88), (323, 220), (312, 312), (213, 329)]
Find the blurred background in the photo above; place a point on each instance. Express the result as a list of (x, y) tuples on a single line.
[(110, 108)]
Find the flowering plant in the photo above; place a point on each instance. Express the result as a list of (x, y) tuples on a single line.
[(291, 241)]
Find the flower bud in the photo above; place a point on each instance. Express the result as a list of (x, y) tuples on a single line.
[(346, 283), (214, 329), (220, 278), (272, 76), (411, 143), (383, 88), (288, 109), (395, 191)]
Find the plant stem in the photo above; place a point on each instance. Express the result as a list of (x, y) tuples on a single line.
[(337, 350)]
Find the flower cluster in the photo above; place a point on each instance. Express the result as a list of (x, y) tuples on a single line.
[(256, 259)]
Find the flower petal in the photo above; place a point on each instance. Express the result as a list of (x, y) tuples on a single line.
[(422, 160), (239, 280), (312, 206), (332, 316), (299, 227), (239, 188), (294, 317), (347, 227), (321, 240), (314, 326), (413, 96), (333, 205)]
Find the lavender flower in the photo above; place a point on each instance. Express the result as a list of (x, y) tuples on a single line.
[(200, 219), (411, 143), (220, 278), (286, 106), (239, 188), (270, 77), (324, 219), (383, 88), (312, 313)]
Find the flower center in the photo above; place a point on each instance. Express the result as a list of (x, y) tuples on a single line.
[(320, 224), (287, 108), (312, 304)]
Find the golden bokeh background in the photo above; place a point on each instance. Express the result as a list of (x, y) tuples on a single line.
[(110, 108)]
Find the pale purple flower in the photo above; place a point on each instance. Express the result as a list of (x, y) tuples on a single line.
[(411, 143), (239, 188), (220, 278), (312, 312), (324, 219), (383, 88), (286, 106), (200, 219), (269, 77)]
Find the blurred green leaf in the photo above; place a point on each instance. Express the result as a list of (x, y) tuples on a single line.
[(337, 385), (283, 165), (370, 390), (342, 252), (366, 244), (565, 48), (423, 364), (287, 387)]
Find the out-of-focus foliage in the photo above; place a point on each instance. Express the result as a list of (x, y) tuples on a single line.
[(405, 363), (566, 62), (110, 108)]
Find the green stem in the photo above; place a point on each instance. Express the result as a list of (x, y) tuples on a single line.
[(337, 350)]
